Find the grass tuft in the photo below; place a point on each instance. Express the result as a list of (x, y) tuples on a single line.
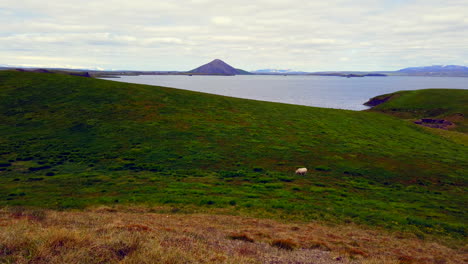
[(241, 236), (286, 244)]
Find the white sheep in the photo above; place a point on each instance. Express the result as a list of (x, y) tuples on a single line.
[(301, 171)]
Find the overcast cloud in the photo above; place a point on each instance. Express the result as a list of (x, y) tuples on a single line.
[(181, 35)]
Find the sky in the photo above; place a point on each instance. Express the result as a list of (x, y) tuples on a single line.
[(307, 35)]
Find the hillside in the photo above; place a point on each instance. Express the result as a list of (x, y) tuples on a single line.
[(441, 104), (71, 142), (217, 67)]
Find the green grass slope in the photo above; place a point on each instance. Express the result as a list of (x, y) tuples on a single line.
[(428, 103), (69, 142)]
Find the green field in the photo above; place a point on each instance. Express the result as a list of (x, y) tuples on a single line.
[(71, 142)]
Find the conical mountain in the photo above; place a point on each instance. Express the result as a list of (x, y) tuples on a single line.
[(217, 67)]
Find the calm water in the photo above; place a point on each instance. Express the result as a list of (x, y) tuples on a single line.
[(330, 92)]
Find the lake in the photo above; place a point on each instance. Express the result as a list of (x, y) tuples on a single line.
[(320, 91)]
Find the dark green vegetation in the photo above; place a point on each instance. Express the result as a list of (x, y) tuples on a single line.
[(69, 142), (448, 104)]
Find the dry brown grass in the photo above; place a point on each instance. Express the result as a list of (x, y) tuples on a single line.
[(239, 236), (287, 244), (136, 235)]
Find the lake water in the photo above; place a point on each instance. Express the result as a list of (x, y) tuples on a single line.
[(320, 91)]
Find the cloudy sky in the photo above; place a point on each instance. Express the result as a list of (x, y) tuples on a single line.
[(307, 35)]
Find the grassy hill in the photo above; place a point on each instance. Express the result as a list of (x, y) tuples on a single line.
[(449, 104), (71, 142)]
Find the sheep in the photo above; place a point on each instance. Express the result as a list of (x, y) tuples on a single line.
[(301, 171)]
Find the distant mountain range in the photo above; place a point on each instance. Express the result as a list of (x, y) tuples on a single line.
[(218, 67), (436, 70), (277, 71)]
